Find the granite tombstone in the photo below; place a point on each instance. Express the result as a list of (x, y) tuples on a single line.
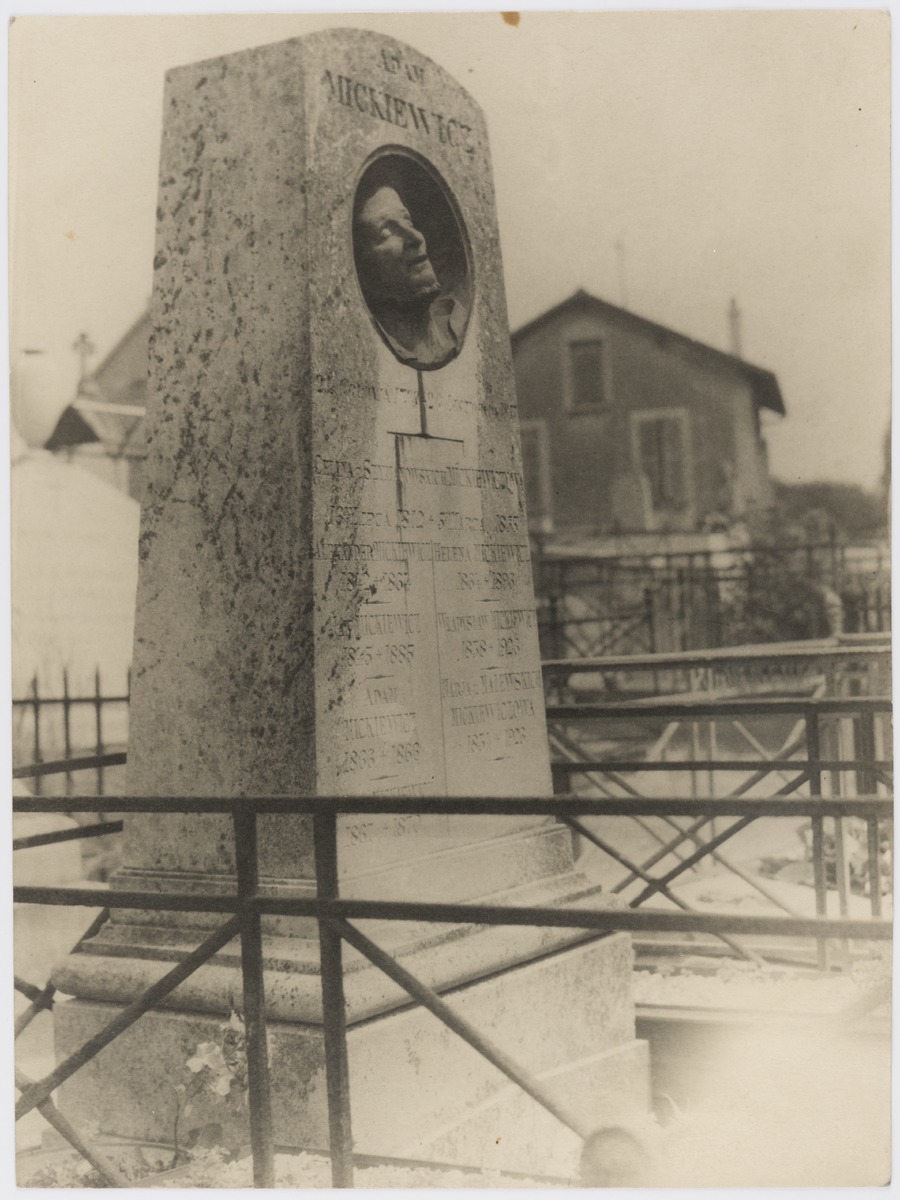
[(335, 597)]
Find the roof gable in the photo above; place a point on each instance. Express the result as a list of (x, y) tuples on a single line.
[(766, 391), (122, 376)]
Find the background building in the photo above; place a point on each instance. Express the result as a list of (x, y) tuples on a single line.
[(102, 430), (632, 428)]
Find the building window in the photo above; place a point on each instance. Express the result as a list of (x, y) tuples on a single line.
[(661, 452), (587, 375)]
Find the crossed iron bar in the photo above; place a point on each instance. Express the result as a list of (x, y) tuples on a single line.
[(333, 914), (869, 770)]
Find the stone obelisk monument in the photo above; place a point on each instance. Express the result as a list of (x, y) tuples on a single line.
[(335, 598)]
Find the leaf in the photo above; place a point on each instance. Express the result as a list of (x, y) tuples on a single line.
[(208, 1055), (222, 1085)]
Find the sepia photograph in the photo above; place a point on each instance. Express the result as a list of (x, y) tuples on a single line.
[(450, 675)]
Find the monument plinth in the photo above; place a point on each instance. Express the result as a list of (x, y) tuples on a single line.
[(335, 592)]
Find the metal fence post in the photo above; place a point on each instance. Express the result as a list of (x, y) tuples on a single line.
[(334, 1017), (38, 786), (867, 785), (258, 1082), (98, 722), (650, 618), (814, 758), (67, 731)]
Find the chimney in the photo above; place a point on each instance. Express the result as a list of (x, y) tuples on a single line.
[(734, 321)]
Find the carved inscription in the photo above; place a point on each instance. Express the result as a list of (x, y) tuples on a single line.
[(448, 476), (440, 661), (396, 64), (381, 105)]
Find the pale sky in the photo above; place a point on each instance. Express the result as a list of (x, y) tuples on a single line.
[(729, 153)]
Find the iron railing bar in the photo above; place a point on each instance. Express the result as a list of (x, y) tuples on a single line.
[(633, 792), (620, 858), (480, 914), (561, 743), (627, 788), (636, 616), (873, 865), (55, 1118), (618, 635), (38, 756), (639, 765), (735, 804), (700, 853), (757, 745), (610, 920), (644, 824), (67, 835), (741, 789), (596, 784), (841, 867), (630, 791), (98, 727), (430, 1000), (67, 740), (819, 880), (126, 1018), (258, 1083), (722, 707), (30, 991), (95, 897), (603, 845), (685, 659), (731, 810), (730, 865), (813, 754), (334, 1012), (786, 790), (787, 748), (64, 766), (868, 782), (70, 700), (667, 849), (43, 1000)]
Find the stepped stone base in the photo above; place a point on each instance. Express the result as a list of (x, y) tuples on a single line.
[(127, 956), (416, 1088)]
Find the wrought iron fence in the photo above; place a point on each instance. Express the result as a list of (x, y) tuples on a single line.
[(832, 667), (829, 765), (78, 732), (715, 745), (711, 598), (245, 908), (598, 630)]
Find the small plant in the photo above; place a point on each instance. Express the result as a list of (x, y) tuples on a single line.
[(216, 1087)]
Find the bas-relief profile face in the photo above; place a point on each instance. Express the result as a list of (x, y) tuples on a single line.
[(396, 265), (418, 296)]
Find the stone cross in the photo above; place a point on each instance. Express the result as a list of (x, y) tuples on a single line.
[(84, 348)]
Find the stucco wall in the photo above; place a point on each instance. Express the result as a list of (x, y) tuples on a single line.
[(595, 483)]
